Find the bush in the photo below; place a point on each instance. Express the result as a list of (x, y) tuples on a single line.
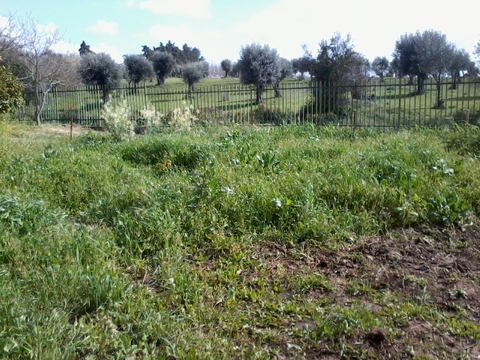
[(11, 91), (182, 118), (118, 121), (152, 120), (266, 115)]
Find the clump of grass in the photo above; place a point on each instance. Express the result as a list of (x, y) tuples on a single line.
[(465, 139)]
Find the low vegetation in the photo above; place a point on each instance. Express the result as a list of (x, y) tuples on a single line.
[(240, 242)]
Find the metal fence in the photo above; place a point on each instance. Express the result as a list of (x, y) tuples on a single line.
[(372, 103)]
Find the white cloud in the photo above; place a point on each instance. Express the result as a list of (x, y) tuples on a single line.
[(129, 3), (65, 47), (193, 8), (4, 22), (109, 49), (47, 29), (374, 27), (104, 27)]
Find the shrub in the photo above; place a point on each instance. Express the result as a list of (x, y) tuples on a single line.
[(152, 119), (11, 91), (265, 115), (182, 118), (118, 121)]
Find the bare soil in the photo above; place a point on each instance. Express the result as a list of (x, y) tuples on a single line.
[(439, 266)]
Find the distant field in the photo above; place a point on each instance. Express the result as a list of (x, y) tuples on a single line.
[(240, 242), (387, 104)]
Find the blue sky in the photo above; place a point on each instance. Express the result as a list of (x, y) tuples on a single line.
[(219, 28)]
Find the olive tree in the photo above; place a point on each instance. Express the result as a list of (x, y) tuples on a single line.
[(138, 68), (163, 64), (192, 73), (423, 54), (339, 69), (259, 66), (380, 66), (101, 70), (460, 62), (304, 63), (286, 70), (435, 57), (407, 59), (226, 65)]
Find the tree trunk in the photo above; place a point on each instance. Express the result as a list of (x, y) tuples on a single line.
[(421, 84), (105, 96), (260, 94), (40, 101), (38, 112), (191, 88), (440, 103), (276, 88), (455, 80), (454, 83)]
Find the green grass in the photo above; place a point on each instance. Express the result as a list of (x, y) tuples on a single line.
[(230, 242)]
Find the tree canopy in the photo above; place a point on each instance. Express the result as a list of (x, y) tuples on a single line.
[(304, 63), (226, 65), (259, 66), (182, 56), (476, 51), (138, 68), (286, 70), (338, 63), (460, 62), (380, 66), (193, 73), (163, 64), (84, 49), (423, 54), (100, 69)]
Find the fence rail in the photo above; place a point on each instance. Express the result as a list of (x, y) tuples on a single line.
[(373, 103)]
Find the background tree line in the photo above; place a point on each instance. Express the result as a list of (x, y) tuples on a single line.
[(29, 62)]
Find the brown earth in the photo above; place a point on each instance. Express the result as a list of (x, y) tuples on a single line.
[(438, 267)]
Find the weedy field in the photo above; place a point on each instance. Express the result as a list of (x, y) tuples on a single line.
[(242, 242)]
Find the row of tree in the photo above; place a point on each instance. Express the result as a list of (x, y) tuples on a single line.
[(27, 57), (418, 55), (161, 62)]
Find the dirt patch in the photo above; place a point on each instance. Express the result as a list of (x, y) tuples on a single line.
[(437, 268), (66, 130)]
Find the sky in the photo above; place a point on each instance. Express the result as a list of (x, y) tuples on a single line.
[(219, 28)]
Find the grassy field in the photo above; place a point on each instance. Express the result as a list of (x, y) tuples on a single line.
[(240, 242), (225, 101)]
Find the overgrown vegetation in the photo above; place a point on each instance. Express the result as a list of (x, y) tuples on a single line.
[(11, 91), (240, 242)]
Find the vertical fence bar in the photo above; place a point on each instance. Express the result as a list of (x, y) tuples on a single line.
[(300, 101)]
